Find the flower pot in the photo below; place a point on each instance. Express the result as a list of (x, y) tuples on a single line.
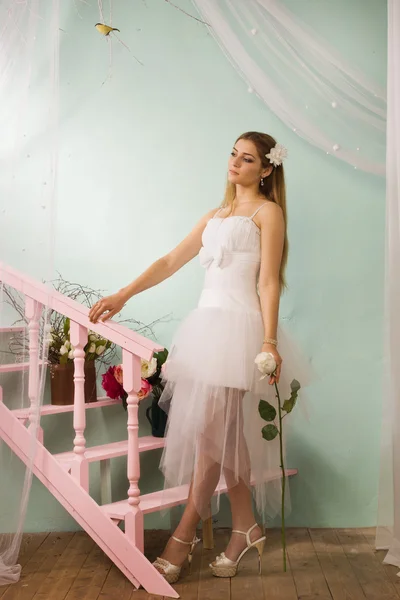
[(157, 418), (62, 383)]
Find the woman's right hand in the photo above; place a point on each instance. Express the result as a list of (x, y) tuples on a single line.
[(107, 307)]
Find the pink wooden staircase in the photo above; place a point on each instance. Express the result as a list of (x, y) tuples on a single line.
[(66, 475)]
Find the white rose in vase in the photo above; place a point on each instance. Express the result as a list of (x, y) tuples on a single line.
[(148, 368)]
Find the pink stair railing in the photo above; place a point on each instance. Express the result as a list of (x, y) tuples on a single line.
[(67, 475)]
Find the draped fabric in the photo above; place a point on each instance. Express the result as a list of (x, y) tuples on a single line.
[(306, 83)]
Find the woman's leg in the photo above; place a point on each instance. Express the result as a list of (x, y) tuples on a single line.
[(242, 517), (204, 482), (237, 477), (223, 443)]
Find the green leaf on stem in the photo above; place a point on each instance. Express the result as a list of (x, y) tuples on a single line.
[(161, 357), (266, 410), (295, 385), (269, 432), (290, 403)]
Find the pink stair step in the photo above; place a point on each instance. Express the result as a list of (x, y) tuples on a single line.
[(112, 450), (12, 329), (125, 550), (55, 409), (151, 502)]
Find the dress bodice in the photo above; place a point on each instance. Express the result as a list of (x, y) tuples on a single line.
[(230, 236), (231, 255)]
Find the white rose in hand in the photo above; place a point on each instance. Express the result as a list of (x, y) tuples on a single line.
[(266, 364)]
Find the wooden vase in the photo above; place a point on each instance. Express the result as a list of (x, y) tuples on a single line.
[(62, 383)]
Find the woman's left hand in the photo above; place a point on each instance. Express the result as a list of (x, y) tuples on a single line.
[(272, 350)]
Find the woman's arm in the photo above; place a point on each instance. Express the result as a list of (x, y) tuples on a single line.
[(160, 270), (272, 228), (169, 264)]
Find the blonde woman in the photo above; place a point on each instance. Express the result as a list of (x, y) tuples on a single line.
[(212, 386)]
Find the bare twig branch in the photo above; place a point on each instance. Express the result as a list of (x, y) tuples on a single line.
[(19, 342), (187, 14)]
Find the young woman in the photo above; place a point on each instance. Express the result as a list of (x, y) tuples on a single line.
[(212, 386)]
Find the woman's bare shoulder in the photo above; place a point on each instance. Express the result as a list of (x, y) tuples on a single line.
[(211, 213), (270, 216), (214, 211)]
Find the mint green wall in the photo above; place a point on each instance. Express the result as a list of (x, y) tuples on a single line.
[(143, 156)]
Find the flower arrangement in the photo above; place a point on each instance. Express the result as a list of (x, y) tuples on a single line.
[(266, 364), (113, 379), (61, 350)]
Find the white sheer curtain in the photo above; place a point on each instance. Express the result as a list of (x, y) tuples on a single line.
[(388, 531), (29, 67), (307, 84)]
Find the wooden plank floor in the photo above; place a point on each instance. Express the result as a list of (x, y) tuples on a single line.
[(323, 564)]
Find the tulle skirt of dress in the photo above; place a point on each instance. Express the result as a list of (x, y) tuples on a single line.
[(212, 391)]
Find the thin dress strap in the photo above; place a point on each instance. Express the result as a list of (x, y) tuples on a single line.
[(259, 208), (219, 210)]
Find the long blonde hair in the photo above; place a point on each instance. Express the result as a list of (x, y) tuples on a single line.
[(274, 189)]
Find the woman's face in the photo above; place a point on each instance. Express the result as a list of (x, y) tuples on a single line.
[(244, 165)]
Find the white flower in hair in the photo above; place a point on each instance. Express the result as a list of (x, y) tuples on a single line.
[(277, 155)]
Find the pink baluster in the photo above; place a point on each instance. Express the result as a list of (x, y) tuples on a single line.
[(33, 310), (132, 385), (80, 466)]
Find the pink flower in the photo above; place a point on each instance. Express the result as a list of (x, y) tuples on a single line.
[(146, 389), (110, 385), (119, 374)]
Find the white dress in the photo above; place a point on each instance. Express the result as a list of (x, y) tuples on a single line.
[(212, 385)]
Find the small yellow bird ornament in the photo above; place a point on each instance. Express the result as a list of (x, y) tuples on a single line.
[(105, 29)]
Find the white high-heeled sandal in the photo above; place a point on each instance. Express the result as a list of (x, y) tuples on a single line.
[(172, 572), (224, 567)]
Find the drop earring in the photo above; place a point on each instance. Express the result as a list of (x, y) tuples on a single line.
[(262, 180)]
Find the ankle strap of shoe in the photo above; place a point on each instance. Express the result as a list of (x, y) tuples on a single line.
[(246, 533), (194, 540)]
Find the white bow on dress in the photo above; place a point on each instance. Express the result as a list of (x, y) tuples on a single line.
[(208, 258)]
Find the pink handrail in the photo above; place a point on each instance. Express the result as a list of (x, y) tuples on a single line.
[(118, 334)]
